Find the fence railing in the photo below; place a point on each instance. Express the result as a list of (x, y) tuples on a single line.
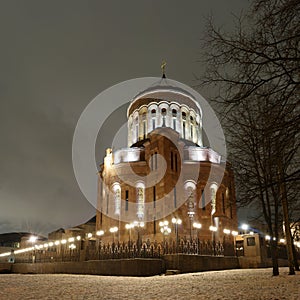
[(147, 249), (150, 249)]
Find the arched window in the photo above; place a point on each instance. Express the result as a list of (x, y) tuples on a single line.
[(190, 189), (137, 129), (191, 127), (140, 201), (153, 116), (117, 198), (164, 113), (183, 124), (213, 197), (197, 132), (174, 117), (144, 125)]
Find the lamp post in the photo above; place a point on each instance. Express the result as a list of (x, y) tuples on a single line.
[(245, 228), (213, 229), (113, 230), (165, 230), (176, 222), (99, 233), (128, 227), (228, 249), (191, 216), (138, 226), (197, 226), (32, 240), (234, 234)]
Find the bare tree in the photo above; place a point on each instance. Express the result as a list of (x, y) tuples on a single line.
[(256, 70)]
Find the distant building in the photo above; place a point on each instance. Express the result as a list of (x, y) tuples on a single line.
[(16, 240), (81, 231), (166, 121)]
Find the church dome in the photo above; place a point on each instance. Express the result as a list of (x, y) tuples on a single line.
[(164, 105)]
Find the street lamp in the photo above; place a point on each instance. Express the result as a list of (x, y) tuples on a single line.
[(32, 240), (197, 226), (234, 234), (176, 222), (99, 233), (245, 228), (138, 225), (164, 229), (128, 227), (213, 229), (113, 230), (226, 231), (191, 216), (228, 243)]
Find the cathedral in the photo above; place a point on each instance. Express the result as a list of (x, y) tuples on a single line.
[(166, 185)]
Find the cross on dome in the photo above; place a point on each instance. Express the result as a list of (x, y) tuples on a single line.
[(163, 68)]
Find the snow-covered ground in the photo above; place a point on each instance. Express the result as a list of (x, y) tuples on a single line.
[(232, 284)]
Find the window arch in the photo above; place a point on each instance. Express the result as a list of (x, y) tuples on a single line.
[(137, 128), (140, 199), (117, 198), (153, 117), (213, 197), (164, 113), (144, 124), (183, 114), (190, 189), (174, 117)]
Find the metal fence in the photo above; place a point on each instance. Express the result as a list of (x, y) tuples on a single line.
[(100, 251)]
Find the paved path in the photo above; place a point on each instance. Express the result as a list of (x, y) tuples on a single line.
[(233, 284)]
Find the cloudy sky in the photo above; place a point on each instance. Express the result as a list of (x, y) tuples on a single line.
[(55, 57)]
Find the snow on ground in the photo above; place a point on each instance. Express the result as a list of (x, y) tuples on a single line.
[(230, 284)]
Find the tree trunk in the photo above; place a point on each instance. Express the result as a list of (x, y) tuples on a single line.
[(274, 255), (287, 228), (295, 258)]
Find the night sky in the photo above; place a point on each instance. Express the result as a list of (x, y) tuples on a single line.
[(55, 57)]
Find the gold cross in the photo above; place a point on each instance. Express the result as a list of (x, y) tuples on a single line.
[(163, 68)]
